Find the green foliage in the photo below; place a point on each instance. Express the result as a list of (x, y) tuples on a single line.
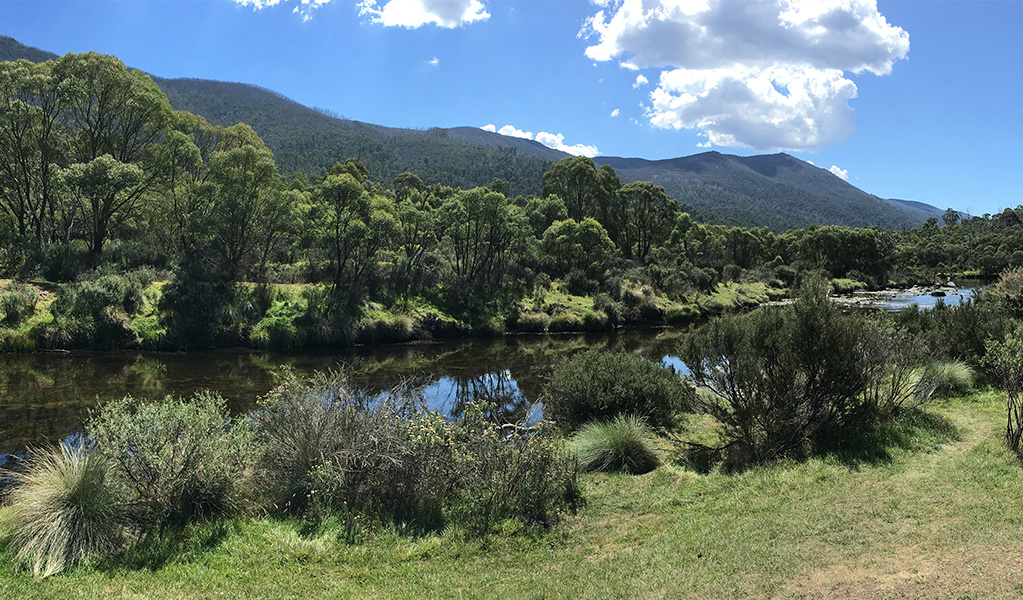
[(328, 449), (64, 509), (509, 472), (784, 377), (953, 378), (1005, 358), (602, 385), (96, 311), (324, 437), (179, 459), (18, 301), (625, 444)]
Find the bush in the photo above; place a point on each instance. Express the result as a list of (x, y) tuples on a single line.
[(624, 443), (324, 437), (785, 377), (179, 459), (96, 311), (63, 509), (329, 449), (1005, 358), (502, 473), (18, 302), (602, 385)]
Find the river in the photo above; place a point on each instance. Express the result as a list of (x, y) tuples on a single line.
[(46, 396)]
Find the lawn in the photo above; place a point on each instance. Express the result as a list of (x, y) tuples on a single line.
[(928, 509)]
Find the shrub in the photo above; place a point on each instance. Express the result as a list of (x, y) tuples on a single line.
[(64, 509), (179, 459), (329, 449), (18, 302), (899, 371), (1005, 358), (602, 385), (324, 436), (624, 443), (95, 311), (502, 473), (962, 331), (784, 376)]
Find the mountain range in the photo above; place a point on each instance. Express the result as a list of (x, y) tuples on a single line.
[(777, 191)]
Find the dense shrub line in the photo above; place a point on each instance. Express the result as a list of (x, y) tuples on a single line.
[(318, 449)]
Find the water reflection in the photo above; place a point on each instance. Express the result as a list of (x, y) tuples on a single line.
[(47, 396)]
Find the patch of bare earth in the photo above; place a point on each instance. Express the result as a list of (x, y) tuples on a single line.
[(971, 573)]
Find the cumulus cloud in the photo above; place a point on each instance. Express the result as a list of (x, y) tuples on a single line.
[(767, 74), (433, 62), (412, 14), (640, 81), (616, 112), (842, 174), (551, 140)]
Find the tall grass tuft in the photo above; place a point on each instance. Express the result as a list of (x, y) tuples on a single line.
[(625, 443), (63, 509), (954, 377)]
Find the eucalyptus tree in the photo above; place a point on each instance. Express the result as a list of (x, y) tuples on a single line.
[(32, 145), (349, 227), (112, 115), (649, 218), (480, 230), (585, 191), (249, 208)]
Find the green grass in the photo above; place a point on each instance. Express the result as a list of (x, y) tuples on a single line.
[(933, 514), (624, 443), (62, 511)]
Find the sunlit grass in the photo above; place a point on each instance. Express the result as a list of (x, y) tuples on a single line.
[(63, 510), (932, 514)]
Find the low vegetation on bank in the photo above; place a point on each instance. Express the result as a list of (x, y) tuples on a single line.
[(736, 470)]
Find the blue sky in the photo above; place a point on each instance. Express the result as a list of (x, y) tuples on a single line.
[(906, 99)]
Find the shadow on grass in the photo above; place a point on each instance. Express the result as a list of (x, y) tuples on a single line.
[(914, 431), (877, 444), (172, 543)]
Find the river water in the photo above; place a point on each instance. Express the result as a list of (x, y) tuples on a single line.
[(46, 396)]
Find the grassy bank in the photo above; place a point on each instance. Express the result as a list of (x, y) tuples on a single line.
[(928, 508), (110, 313)]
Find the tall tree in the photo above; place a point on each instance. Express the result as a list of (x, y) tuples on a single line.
[(32, 145)]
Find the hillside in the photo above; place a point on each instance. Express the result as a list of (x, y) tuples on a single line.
[(777, 191)]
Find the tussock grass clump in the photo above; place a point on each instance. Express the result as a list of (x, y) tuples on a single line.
[(63, 509), (624, 443), (954, 377)]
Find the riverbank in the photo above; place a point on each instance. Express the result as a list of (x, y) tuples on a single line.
[(924, 510), (114, 315)]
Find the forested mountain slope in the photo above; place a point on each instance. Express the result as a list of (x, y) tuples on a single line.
[(777, 191)]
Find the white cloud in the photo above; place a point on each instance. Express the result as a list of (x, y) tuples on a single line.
[(416, 13), (640, 81), (763, 74), (551, 140), (433, 62), (616, 112), (510, 131), (305, 8), (842, 174)]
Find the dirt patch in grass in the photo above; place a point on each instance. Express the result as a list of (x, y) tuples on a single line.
[(907, 573)]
